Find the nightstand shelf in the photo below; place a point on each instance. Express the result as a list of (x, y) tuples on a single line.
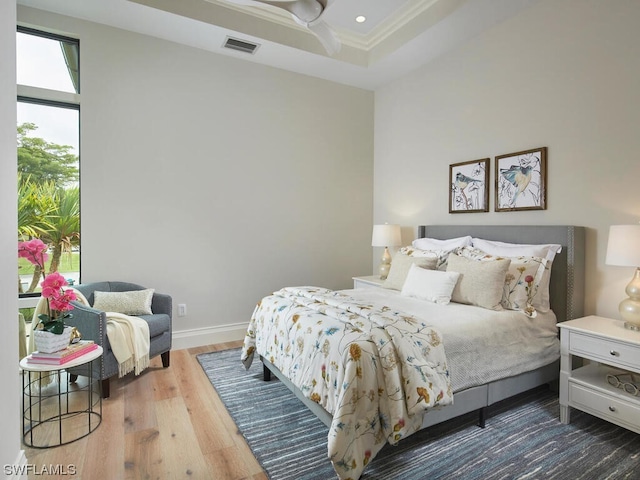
[(610, 348)]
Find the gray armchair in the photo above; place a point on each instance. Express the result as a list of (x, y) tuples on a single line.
[(92, 324)]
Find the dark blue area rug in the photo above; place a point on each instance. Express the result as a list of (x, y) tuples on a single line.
[(523, 438)]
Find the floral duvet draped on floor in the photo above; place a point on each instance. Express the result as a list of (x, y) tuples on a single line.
[(374, 369)]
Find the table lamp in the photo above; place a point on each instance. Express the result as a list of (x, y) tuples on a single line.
[(385, 236), (623, 249)]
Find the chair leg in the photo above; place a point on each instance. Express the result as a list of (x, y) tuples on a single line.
[(105, 388), (165, 359)]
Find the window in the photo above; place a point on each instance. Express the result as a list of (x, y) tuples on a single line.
[(48, 140), (47, 61)]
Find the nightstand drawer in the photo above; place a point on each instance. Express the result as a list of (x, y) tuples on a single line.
[(604, 406), (605, 350)]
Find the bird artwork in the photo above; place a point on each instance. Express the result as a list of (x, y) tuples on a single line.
[(519, 176), (461, 183), (468, 187)]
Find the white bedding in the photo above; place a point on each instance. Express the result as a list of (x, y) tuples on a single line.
[(480, 345)]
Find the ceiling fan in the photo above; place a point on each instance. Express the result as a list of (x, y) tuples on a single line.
[(307, 13)]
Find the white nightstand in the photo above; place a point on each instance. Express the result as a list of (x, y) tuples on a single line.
[(609, 347), (371, 281)]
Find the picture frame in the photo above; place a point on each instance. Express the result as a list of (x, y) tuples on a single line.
[(521, 180), (469, 186)]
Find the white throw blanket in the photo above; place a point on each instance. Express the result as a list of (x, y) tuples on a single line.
[(128, 336), (129, 339)]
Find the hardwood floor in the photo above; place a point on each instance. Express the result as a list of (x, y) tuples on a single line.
[(163, 424)]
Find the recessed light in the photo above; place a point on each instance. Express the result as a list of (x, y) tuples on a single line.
[(361, 18)]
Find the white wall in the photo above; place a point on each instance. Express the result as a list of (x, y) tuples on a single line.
[(10, 453), (563, 74), (214, 179)]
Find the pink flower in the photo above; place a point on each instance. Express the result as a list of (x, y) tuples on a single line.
[(52, 284), (50, 292), (61, 303), (34, 251), (58, 300), (528, 279), (71, 295), (63, 299)]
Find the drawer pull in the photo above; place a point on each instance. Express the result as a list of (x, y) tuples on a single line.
[(612, 409), (614, 353)]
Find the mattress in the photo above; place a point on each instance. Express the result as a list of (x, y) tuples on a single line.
[(481, 345)]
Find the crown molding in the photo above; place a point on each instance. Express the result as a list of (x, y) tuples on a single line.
[(366, 43)]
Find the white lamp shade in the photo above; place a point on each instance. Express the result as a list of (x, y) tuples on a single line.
[(386, 236), (623, 247)]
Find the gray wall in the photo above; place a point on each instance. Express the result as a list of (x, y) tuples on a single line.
[(10, 427), (214, 179), (562, 74)]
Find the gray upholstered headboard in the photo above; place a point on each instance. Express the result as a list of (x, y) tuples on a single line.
[(567, 272)]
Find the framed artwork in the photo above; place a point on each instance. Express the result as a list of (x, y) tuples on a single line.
[(521, 180), (469, 186)]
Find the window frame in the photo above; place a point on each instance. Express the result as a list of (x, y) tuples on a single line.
[(51, 98)]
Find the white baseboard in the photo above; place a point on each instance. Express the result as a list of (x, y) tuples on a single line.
[(198, 337), (19, 469)]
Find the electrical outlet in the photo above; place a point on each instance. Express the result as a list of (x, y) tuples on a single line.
[(182, 309)]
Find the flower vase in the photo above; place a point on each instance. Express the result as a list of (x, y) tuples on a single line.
[(47, 342)]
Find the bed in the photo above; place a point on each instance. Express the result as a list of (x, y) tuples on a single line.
[(386, 365)]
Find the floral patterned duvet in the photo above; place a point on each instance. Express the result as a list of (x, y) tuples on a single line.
[(374, 369)]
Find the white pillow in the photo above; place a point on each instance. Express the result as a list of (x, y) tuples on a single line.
[(135, 302), (491, 247), (431, 285), (436, 244)]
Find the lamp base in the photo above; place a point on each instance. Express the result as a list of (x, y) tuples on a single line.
[(632, 326), (385, 264), (384, 270), (629, 308)]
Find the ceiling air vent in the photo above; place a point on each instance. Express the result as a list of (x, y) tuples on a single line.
[(240, 45)]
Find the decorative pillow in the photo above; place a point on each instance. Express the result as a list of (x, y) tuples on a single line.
[(400, 268), (526, 284), (480, 283), (135, 302), (431, 285), (547, 251), (436, 244), (440, 255), (473, 253)]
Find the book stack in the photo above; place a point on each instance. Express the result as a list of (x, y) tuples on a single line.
[(63, 356)]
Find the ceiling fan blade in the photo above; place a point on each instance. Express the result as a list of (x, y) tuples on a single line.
[(327, 37), (305, 10)]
